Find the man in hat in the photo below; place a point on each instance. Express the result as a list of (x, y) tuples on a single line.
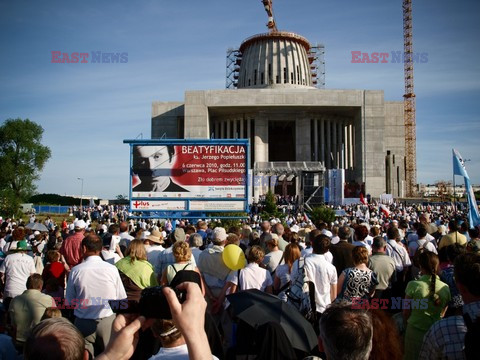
[(71, 247), (15, 270), (153, 245)]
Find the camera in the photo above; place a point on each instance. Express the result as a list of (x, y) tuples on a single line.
[(153, 304)]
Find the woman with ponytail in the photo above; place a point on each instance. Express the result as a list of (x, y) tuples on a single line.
[(425, 303)]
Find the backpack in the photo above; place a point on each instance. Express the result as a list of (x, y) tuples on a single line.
[(472, 346), (301, 293)]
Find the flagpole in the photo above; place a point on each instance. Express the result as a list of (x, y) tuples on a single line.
[(454, 197)]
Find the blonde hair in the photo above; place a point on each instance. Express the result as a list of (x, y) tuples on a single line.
[(181, 251), (51, 312), (136, 251)]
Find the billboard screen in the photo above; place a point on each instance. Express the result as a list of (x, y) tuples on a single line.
[(186, 170)]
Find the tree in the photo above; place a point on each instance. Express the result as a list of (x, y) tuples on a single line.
[(322, 214), (22, 157), (270, 210)]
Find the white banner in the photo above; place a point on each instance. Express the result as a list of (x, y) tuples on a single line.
[(157, 205)]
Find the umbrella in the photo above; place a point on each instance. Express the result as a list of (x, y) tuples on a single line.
[(257, 308), (37, 227)]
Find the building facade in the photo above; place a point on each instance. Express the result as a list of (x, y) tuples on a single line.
[(295, 128)]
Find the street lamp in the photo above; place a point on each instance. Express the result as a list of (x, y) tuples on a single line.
[(81, 195)]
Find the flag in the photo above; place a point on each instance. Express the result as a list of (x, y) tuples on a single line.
[(459, 169), (473, 215), (362, 199), (459, 164), (384, 209)]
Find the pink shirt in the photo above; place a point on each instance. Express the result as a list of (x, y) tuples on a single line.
[(72, 249)]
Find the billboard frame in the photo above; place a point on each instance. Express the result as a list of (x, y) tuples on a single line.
[(187, 213)]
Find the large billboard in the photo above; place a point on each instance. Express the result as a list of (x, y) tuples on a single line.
[(190, 175)]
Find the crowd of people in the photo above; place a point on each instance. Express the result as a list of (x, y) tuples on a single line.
[(387, 282)]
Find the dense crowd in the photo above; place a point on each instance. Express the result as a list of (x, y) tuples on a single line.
[(383, 282)]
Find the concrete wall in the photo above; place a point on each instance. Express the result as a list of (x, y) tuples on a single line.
[(166, 119)]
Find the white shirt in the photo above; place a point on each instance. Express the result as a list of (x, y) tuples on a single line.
[(399, 255), (125, 238), (110, 257), (153, 256), (306, 251), (17, 267), (323, 274), (114, 242), (272, 260), (174, 353), (362, 243), (414, 245), (94, 282), (254, 277)]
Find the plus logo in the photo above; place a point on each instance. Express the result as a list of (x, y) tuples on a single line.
[(138, 204)]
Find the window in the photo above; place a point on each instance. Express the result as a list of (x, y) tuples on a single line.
[(285, 77)]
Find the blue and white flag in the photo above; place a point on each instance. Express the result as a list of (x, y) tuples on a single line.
[(459, 164), (473, 215), (459, 169)]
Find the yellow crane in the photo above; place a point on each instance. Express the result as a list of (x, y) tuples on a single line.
[(409, 103)]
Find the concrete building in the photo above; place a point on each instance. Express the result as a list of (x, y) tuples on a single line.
[(295, 129)]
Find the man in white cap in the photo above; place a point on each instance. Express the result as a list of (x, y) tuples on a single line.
[(153, 245), (71, 247)]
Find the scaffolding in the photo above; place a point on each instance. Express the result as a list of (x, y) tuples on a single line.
[(316, 57), (234, 59)]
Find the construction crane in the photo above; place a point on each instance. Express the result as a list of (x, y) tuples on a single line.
[(269, 9), (409, 103)]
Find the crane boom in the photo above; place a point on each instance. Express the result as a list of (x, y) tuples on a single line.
[(271, 20)]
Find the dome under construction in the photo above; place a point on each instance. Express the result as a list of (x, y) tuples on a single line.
[(275, 59)]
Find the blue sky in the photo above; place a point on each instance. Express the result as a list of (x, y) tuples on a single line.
[(88, 109)]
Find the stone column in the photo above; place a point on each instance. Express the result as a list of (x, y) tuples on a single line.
[(302, 138), (340, 145), (228, 129), (222, 130), (217, 130), (334, 148), (322, 141), (261, 139), (350, 145), (242, 132), (315, 139), (328, 148)]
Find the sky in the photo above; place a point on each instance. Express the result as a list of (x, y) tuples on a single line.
[(87, 110)]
